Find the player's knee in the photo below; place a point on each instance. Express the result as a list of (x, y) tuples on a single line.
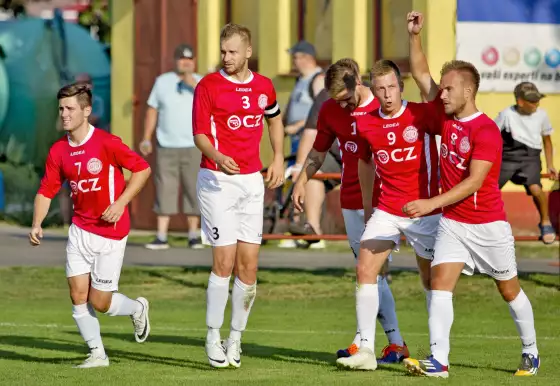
[(79, 296), (509, 289), (247, 272), (100, 303)]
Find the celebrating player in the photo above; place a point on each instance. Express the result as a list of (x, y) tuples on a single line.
[(473, 231), (228, 111), (93, 160), (406, 164), (350, 98)]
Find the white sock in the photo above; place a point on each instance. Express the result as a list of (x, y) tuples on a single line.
[(242, 299), (194, 235), (367, 307), (428, 299), (522, 313), (387, 314), (357, 339), (216, 300), (123, 306), (440, 320), (89, 328), (162, 236)]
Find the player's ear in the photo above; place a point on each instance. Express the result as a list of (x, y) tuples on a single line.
[(87, 111), (401, 85), (249, 51)]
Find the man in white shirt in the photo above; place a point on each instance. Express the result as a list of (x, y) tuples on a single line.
[(526, 130)]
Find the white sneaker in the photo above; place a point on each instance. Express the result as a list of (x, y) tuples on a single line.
[(94, 360), (364, 359), (287, 243), (216, 354), (318, 245), (233, 352), (141, 322)]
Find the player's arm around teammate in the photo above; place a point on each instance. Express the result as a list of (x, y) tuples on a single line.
[(473, 232)]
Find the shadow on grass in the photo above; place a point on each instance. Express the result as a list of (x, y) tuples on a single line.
[(75, 348)]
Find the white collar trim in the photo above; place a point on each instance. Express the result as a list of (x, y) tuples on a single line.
[(88, 136), (398, 114), (233, 80), (367, 101), (470, 117)]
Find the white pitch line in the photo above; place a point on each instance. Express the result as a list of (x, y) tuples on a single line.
[(258, 331)]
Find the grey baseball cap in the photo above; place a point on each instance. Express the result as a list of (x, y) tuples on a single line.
[(183, 51), (304, 47), (528, 92)]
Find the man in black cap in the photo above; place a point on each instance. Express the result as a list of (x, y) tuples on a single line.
[(169, 115), (526, 130)]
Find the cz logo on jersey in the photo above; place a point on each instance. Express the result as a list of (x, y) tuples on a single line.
[(396, 155), (249, 121), (85, 186), (453, 158), (351, 147)]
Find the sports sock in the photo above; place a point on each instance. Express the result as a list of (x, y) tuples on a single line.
[(440, 320), (193, 235), (387, 314), (162, 236), (89, 328), (522, 313), (367, 307), (216, 300), (357, 339), (428, 299), (123, 306), (242, 299)]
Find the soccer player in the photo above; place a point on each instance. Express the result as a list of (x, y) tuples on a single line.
[(405, 156), (337, 121), (473, 231), (93, 160), (228, 113)]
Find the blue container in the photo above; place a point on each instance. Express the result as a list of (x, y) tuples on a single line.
[(2, 199)]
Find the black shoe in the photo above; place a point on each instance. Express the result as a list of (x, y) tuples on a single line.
[(157, 245), (196, 243)]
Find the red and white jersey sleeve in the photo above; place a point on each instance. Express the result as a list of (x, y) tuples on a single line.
[(405, 155), (94, 170), (336, 123), (476, 137), (231, 114)]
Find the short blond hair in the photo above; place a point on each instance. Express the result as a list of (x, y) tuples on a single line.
[(341, 76), (383, 67), (463, 68), (231, 29)]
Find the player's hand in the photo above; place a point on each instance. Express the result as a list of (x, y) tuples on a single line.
[(553, 173), (291, 129), (146, 147), (113, 212), (227, 164), (35, 236), (368, 212), (275, 173), (415, 22), (418, 208), (298, 197)]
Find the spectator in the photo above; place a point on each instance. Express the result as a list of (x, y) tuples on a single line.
[(526, 129), (177, 158), (315, 188), (98, 117), (309, 83)]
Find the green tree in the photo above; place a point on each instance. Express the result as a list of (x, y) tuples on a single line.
[(96, 17)]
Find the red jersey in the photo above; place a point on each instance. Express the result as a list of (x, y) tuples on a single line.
[(231, 115), (337, 123), (472, 138), (405, 155), (94, 170)]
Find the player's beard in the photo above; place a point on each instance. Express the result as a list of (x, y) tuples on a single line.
[(236, 67)]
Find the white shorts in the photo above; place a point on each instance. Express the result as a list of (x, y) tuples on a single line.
[(419, 232), (231, 207), (355, 225), (488, 247), (102, 257)]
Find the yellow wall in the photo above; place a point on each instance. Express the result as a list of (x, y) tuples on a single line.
[(337, 28), (122, 69)]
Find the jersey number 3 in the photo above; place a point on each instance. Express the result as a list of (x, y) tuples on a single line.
[(246, 103)]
